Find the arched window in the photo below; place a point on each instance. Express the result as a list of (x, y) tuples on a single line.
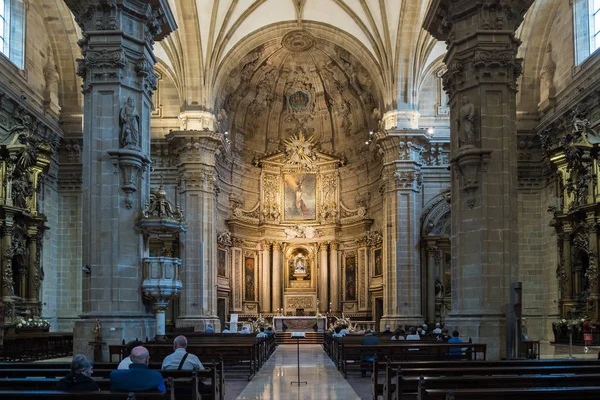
[(12, 31)]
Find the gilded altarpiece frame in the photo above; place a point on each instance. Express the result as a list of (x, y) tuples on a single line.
[(300, 198), (349, 281)]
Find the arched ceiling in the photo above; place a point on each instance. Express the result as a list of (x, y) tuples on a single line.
[(389, 31), (300, 83)]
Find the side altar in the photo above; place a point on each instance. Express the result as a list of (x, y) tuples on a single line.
[(299, 324)]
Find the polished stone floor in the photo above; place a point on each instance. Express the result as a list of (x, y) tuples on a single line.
[(274, 380)]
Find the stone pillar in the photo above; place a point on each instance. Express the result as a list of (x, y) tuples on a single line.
[(323, 279), (335, 285), (432, 273), (481, 83), (265, 281), (277, 276), (401, 187), (118, 80), (198, 187)]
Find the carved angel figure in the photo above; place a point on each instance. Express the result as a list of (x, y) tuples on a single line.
[(466, 133), (130, 122)]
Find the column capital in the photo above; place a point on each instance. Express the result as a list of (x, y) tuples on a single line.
[(444, 17), (200, 147), (276, 246), (402, 145)]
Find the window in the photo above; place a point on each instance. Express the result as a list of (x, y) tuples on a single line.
[(12, 31)]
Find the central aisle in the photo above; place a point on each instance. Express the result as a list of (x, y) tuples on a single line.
[(274, 379)]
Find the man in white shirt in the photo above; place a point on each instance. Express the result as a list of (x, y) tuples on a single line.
[(181, 359), (413, 335), (437, 330)]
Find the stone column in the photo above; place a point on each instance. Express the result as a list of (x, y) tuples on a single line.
[(265, 281), (198, 187), (277, 276), (401, 188), (335, 285), (481, 83), (323, 279), (432, 273), (118, 80)]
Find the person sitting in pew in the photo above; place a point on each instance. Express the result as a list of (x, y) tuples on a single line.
[(79, 379), (399, 334), (180, 359), (209, 329), (138, 378), (269, 331), (438, 330), (337, 332), (261, 333), (455, 352), (444, 337), (413, 335), (368, 340), (126, 362)]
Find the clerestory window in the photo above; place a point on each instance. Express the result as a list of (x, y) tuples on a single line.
[(12, 31)]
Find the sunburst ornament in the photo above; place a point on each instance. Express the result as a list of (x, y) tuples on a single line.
[(298, 150)]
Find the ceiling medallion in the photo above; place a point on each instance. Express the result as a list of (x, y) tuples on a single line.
[(298, 41)]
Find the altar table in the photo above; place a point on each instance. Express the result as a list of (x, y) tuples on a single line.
[(299, 324)]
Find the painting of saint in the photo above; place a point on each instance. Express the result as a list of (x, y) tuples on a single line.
[(300, 197), (350, 278), (378, 267), (249, 279), (221, 260)]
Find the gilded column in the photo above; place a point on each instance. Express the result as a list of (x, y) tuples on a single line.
[(323, 279), (335, 285), (481, 82), (277, 276), (265, 284)]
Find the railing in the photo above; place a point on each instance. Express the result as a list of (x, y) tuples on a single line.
[(363, 325)]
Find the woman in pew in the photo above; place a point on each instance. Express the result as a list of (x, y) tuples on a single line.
[(79, 379)]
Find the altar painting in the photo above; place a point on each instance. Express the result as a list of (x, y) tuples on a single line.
[(300, 202), (350, 278), (249, 279), (378, 262), (221, 262)]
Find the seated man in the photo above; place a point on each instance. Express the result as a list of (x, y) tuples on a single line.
[(126, 362), (456, 353), (138, 378), (269, 331), (368, 340), (209, 329), (438, 329), (261, 333), (180, 359)]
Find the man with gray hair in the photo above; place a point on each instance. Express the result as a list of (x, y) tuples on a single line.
[(180, 359), (138, 378)]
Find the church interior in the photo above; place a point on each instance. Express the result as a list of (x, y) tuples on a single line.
[(170, 164)]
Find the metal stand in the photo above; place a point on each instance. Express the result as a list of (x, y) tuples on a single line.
[(298, 335), (571, 345)]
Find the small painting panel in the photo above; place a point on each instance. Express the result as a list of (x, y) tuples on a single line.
[(221, 262), (300, 200), (378, 262), (249, 279), (350, 290)]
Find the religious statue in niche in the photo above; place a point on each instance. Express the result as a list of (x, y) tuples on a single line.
[(249, 279), (130, 122), (466, 126), (300, 197), (350, 278), (299, 266)]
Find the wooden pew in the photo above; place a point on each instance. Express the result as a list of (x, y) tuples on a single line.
[(36, 346), (351, 353), (407, 379), (389, 368), (180, 378), (58, 395), (554, 393)]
